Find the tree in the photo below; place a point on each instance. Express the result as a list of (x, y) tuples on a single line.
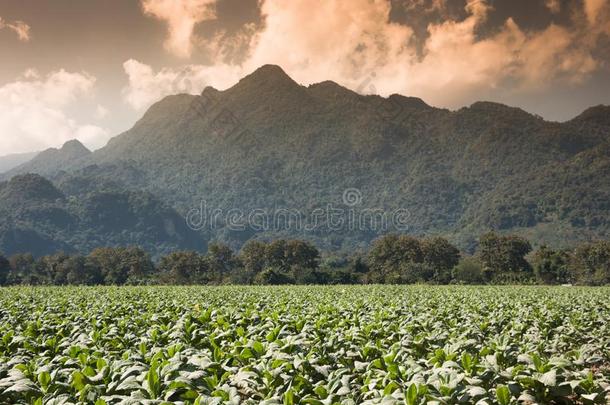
[(5, 268), (302, 254), (303, 260), (412, 272), (120, 266), (275, 255), (359, 266), (253, 256), (22, 266), (183, 268), (503, 257), (221, 261), (468, 271), (294, 259), (591, 263), (441, 256), (79, 270), (551, 266), (389, 255), (50, 269)]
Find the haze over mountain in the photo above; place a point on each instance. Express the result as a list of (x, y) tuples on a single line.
[(9, 162), (52, 160), (268, 143)]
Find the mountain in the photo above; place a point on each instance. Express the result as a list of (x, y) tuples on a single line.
[(41, 219), (9, 162), (269, 145), (52, 160)]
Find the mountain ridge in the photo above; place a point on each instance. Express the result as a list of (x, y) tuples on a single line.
[(268, 142), (52, 159)]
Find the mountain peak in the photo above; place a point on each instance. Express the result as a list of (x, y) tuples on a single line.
[(52, 160), (599, 114), (268, 75), (270, 70), (74, 146)]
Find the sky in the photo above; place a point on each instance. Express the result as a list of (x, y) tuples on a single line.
[(89, 69)]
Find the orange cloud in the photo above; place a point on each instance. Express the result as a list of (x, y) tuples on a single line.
[(147, 86), (354, 43), (181, 17), (19, 27)]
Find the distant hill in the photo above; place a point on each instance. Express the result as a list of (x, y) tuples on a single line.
[(52, 160), (269, 143), (39, 218), (9, 162)]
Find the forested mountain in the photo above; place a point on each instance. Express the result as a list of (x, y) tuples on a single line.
[(269, 143), (52, 160), (39, 218)]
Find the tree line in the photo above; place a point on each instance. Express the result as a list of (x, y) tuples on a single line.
[(392, 259)]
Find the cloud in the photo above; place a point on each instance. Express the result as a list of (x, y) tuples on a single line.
[(427, 6), (554, 6), (356, 44), (32, 112), (181, 17), (147, 86), (101, 112), (331, 39), (19, 27), (593, 9), (454, 62)]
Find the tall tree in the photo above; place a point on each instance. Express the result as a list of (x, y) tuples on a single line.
[(80, 270), (50, 269), (551, 266), (390, 254), (503, 257), (22, 266), (183, 268), (119, 266), (221, 260), (591, 263), (275, 255), (441, 256), (253, 256), (301, 255)]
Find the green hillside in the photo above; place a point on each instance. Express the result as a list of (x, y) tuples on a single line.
[(269, 143)]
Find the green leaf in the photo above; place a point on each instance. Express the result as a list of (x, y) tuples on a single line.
[(503, 395), (44, 379), (549, 379), (411, 396)]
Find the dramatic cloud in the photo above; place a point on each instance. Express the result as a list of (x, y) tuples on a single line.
[(332, 39), (147, 86), (181, 17), (455, 59), (19, 27), (356, 44), (32, 115)]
